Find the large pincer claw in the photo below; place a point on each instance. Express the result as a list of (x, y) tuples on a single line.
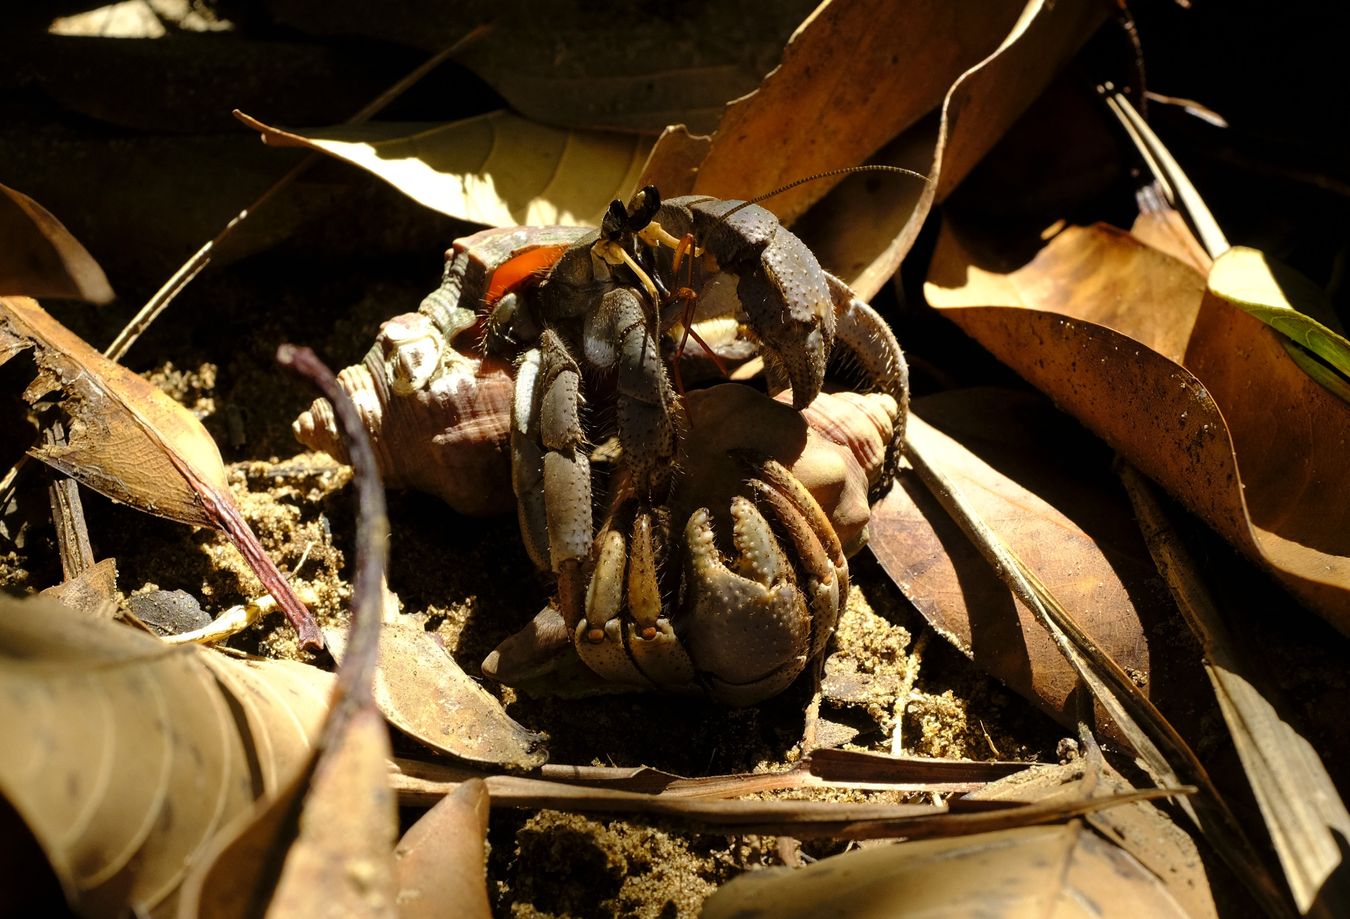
[(754, 623)]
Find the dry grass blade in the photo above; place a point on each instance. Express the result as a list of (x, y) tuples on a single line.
[(424, 783), (805, 819), (1161, 750), (135, 444), (1307, 819), (41, 258)]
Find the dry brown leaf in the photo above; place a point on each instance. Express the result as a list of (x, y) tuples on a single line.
[(442, 858), (1304, 813), (424, 693), (282, 704), (41, 258), (1059, 871), (865, 247), (498, 169), (135, 444), (1104, 324), (343, 857), (1046, 489), (821, 109), (1140, 828), (131, 760)]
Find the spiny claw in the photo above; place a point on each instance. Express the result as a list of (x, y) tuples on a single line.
[(753, 626)]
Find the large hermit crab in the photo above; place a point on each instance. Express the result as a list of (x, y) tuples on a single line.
[(599, 317)]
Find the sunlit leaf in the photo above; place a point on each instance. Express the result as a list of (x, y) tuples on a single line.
[(1129, 341), (1047, 490), (498, 169), (132, 442)]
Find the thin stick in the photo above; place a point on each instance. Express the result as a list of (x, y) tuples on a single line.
[(202, 257)]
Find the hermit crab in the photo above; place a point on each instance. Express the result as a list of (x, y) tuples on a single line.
[(718, 566)]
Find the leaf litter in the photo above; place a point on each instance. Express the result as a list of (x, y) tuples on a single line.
[(763, 740)]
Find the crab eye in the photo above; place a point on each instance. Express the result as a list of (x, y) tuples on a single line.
[(616, 220)]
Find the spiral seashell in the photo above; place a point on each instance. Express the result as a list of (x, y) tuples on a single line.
[(439, 420)]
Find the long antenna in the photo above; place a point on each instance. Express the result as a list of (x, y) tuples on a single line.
[(843, 170)]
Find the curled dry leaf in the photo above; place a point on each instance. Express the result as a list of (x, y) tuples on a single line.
[(497, 169), (1057, 871), (867, 227), (1131, 342), (821, 110), (130, 762), (426, 694), (41, 258), (905, 59), (442, 858), (1139, 828), (1046, 489), (128, 440)]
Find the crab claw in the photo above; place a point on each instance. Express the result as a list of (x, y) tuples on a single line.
[(749, 628), (790, 307)]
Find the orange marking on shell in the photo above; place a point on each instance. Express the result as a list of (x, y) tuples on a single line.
[(519, 269)]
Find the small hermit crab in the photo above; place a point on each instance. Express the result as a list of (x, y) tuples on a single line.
[(599, 319)]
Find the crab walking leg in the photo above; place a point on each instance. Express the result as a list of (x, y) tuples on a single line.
[(620, 334), (639, 649), (550, 469)]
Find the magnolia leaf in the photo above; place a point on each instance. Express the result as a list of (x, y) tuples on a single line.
[(1059, 871), (131, 760), (130, 441), (442, 858), (426, 694), (41, 258), (1046, 488), (498, 169), (1130, 342)]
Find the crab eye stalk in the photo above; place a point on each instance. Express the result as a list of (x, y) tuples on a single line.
[(643, 207)]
